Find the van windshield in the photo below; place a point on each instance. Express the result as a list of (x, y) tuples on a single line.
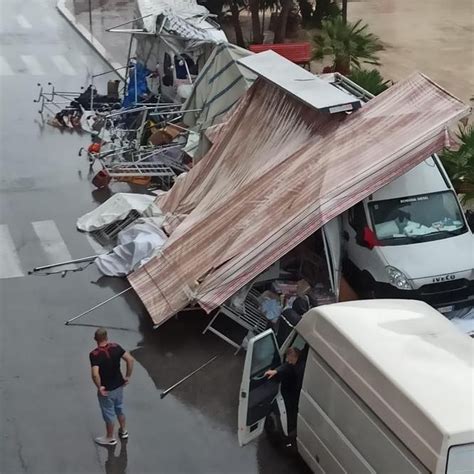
[(415, 219), (460, 459)]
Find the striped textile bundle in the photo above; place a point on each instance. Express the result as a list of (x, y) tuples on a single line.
[(278, 171)]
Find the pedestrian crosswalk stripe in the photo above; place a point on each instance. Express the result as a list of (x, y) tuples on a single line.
[(53, 244), (5, 69), (64, 65), (33, 65), (10, 266), (23, 22)]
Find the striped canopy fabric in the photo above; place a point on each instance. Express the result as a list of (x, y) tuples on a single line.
[(277, 172)]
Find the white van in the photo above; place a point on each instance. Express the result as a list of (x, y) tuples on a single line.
[(411, 240), (388, 387)]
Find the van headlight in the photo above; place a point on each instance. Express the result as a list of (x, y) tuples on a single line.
[(398, 278)]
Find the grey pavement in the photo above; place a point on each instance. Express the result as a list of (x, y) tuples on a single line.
[(48, 409), (102, 15), (435, 37)]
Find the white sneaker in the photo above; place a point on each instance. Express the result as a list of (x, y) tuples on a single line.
[(104, 441), (122, 434)]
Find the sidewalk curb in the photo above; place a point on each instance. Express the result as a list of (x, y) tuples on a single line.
[(94, 43)]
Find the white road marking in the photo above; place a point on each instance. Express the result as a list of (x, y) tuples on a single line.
[(10, 266), (64, 65), (33, 65), (23, 22), (96, 247), (5, 69), (52, 242)]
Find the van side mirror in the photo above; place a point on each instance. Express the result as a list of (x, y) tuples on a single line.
[(367, 238)]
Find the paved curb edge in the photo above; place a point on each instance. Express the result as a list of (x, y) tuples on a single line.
[(88, 37)]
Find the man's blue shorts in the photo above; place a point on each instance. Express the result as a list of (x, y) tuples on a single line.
[(111, 405)]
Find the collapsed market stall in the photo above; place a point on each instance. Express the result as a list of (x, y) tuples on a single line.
[(138, 135), (173, 39), (280, 168)]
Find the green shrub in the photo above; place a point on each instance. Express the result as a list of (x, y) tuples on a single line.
[(372, 81)]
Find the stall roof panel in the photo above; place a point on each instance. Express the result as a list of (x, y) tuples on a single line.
[(300, 83)]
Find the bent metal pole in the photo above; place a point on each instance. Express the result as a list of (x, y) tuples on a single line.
[(68, 262), (168, 390), (97, 306)]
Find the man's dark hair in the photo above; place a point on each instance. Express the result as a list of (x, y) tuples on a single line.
[(300, 305), (100, 335), (293, 351)]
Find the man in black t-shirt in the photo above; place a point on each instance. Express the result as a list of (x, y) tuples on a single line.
[(107, 377)]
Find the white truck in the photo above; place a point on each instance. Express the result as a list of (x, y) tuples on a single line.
[(411, 240), (388, 387)]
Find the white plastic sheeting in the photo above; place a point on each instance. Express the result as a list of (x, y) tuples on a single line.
[(117, 208), (136, 245), (188, 11), (219, 85)]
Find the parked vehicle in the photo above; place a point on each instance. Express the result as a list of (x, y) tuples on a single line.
[(387, 387), (410, 239)]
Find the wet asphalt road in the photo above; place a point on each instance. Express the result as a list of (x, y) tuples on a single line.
[(48, 408)]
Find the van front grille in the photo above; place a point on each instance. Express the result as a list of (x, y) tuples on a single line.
[(444, 286)]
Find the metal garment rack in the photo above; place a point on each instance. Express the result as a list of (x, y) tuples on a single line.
[(47, 99), (108, 234), (249, 317), (139, 169)]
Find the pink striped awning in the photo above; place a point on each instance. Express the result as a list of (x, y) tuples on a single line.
[(277, 172)]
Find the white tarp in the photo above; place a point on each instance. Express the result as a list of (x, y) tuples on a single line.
[(176, 10), (220, 83), (117, 208), (136, 245)]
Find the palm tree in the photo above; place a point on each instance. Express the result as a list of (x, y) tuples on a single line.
[(280, 31), (459, 164), (254, 7), (235, 6), (344, 11), (372, 81), (265, 5), (348, 43)]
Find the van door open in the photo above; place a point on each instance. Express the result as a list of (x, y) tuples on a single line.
[(332, 232), (256, 391)]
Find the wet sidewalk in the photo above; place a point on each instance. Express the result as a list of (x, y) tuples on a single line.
[(435, 37), (93, 23)]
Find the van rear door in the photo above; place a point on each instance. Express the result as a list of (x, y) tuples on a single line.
[(332, 232), (256, 391)]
